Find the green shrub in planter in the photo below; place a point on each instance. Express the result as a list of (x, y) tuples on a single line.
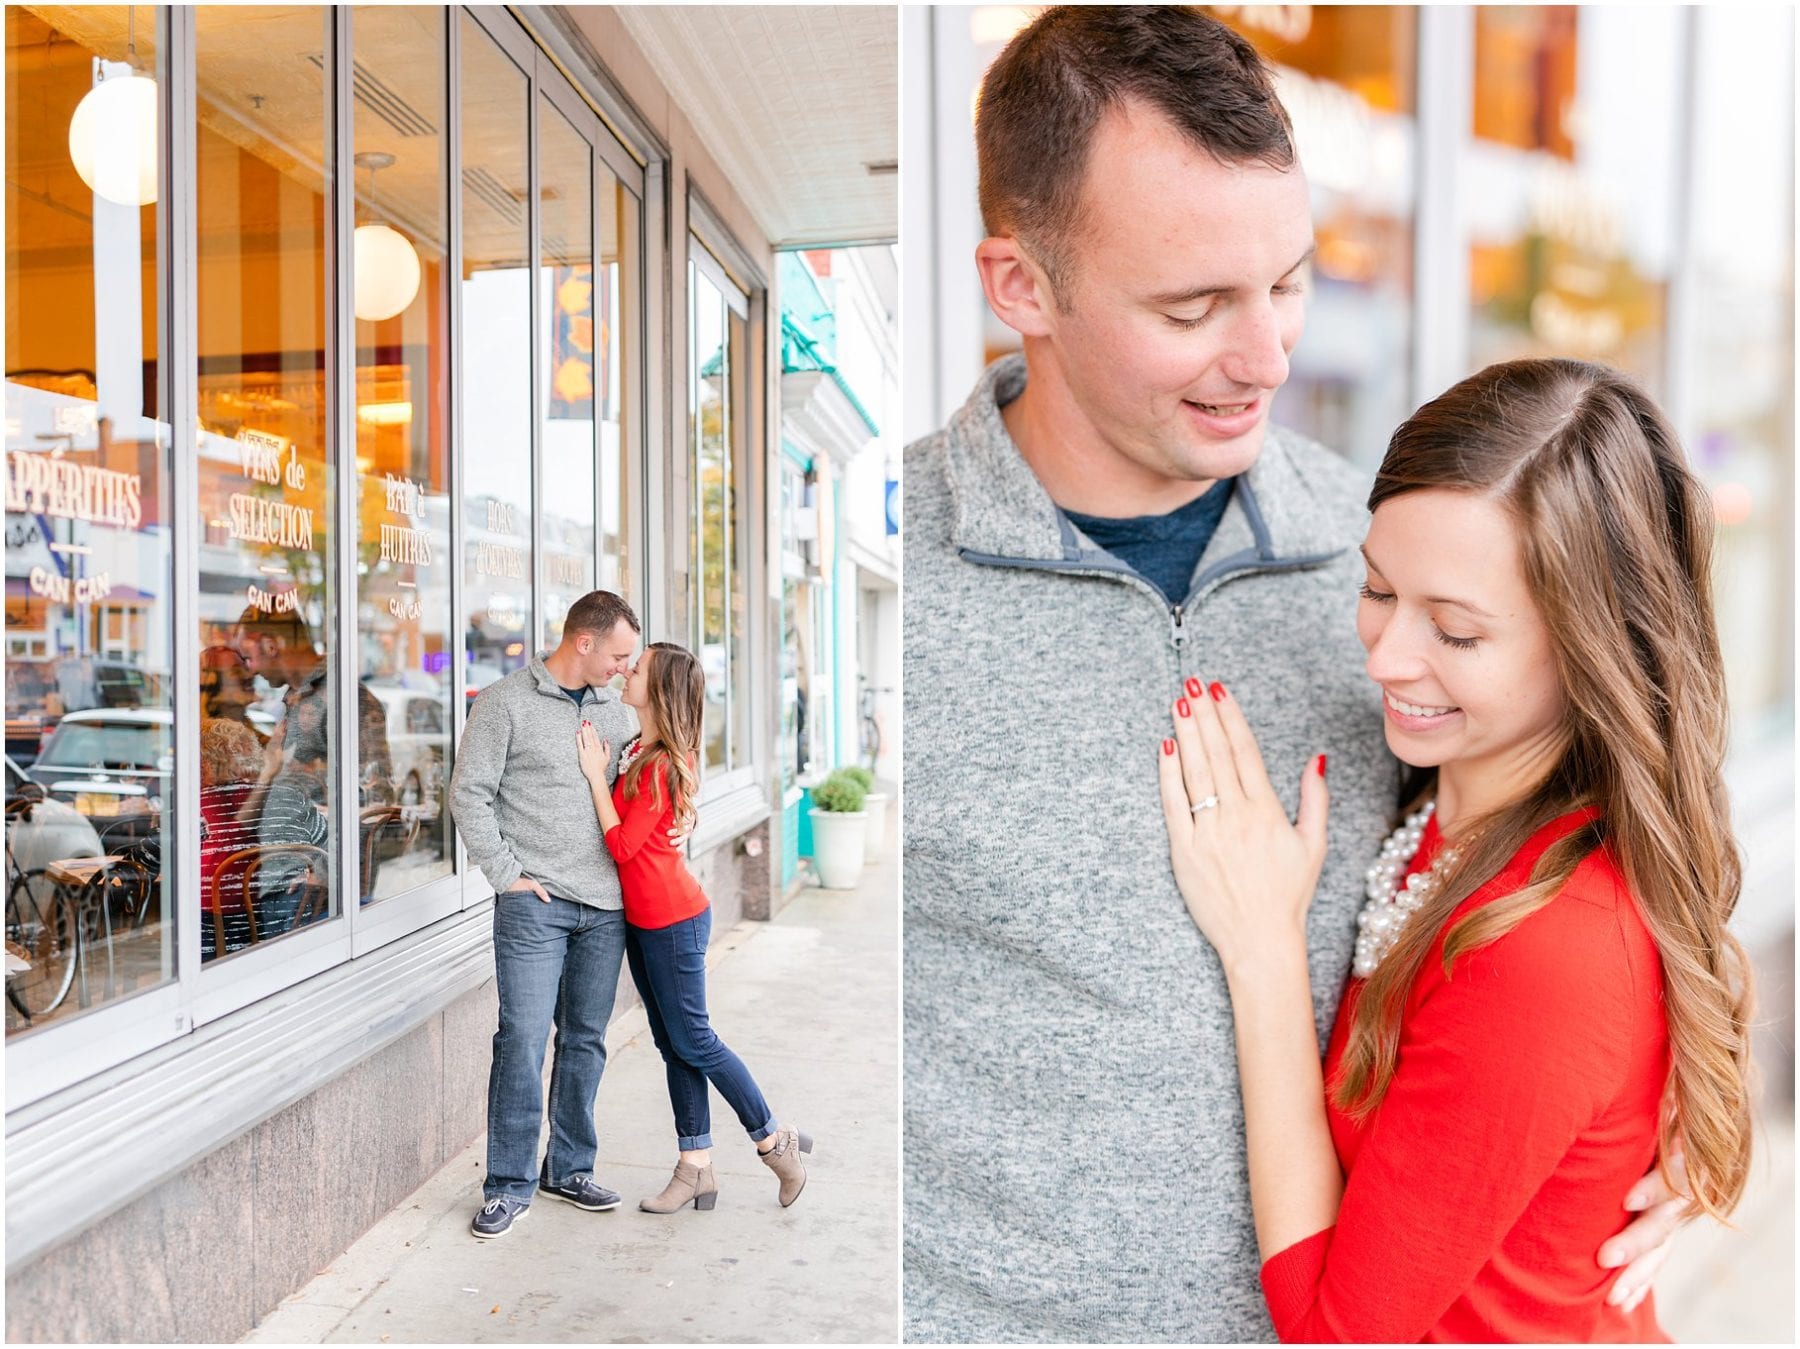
[(861, 774), (839, 793)]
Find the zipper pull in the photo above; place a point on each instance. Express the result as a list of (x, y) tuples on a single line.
[(1176, 633)]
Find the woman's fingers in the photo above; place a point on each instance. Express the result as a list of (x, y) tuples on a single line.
[(1314, 803), (1246, 754), (1220, 768), (1176, 812), (1196, 774)]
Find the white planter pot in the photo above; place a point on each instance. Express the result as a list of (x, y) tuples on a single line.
[(875, 807), (838, 838)]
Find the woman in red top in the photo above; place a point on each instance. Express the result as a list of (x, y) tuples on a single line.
[(1545, 997), (668, 922)]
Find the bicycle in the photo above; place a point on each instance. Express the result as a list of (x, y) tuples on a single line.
[(873, 739), (46, 933)]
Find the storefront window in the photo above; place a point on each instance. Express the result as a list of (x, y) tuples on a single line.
[(267, 609), (567, 300), (404, 627), (496, 340), (1345, 74), (798, 703), (719, 322), (616, 351), (90, 915), (1742, 345), (1572, 169), (737, 505)]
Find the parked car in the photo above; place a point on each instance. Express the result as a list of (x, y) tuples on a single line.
[(108, 761)]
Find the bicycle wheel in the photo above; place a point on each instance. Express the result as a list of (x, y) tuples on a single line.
[(50, 935)]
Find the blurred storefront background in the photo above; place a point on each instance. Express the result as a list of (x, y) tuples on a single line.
[(1491, 182)]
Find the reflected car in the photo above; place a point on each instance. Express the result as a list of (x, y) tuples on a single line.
[(418, 731), (108, 761)]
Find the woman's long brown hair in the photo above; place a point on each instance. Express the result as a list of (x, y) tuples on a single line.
[(677, 695), (1616, 540)]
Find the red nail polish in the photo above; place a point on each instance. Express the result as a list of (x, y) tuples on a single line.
[(1168, 747), (1321, 765), (1194, 686), (1217, 691), (1181, 707)]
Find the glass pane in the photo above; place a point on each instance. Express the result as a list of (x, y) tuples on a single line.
[(709, 379), (1742, 344), (1570, 175), (89, 713), (496, 340), (568, 301), (1345, 74), (268, 749), (402, 452), (738, 538), (618, 308)]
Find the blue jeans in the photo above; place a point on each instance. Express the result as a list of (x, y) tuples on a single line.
[(668, 965), (555, 963)]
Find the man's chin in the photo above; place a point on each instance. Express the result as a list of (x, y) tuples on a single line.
[(1205, 458)]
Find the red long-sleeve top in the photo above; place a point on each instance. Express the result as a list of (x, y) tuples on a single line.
[(1523, 1107), (658, 889)]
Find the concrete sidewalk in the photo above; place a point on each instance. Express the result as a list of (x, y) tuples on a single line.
[(810, 1001)]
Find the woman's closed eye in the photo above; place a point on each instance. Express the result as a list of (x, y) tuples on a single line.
[(1368, 592)]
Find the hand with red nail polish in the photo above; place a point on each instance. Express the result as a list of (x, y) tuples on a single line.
[(1246, 871)]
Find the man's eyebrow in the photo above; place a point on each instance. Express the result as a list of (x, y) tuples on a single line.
[(1188, 294), (1430, 599)]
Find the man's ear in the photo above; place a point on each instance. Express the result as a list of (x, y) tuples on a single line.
[(1016, 288)]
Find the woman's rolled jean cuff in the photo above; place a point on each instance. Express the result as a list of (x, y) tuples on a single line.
[(694, 1142), (763, 1132)]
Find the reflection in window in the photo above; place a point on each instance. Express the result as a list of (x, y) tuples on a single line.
[(266, 605), (615, 383), (737, 504), (405, 637), (1741, 341), (1345, 75), (496, 340), (567, 300), (89, 917), (1571, 171), (709, 379)]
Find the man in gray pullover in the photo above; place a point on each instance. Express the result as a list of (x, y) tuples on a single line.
[(1107, 525), (526, 815)]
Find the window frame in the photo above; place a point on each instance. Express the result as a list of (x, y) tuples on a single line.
[(49, 1060)]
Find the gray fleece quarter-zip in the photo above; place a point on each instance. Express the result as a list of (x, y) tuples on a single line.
[(1074, 1147), (520, 800)]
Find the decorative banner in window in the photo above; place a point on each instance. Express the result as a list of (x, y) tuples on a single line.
[(48, 484), (262, 519), (572, 345)]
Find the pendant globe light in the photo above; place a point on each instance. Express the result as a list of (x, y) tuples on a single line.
[(386, 267), (112, 136)]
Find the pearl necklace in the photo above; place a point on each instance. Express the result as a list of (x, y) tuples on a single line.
[(1390, 904)]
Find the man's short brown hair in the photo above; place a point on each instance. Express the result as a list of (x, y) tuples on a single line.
[(597, 613), (1046, 93)]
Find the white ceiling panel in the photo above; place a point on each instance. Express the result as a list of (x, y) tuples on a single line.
[(795, 103)]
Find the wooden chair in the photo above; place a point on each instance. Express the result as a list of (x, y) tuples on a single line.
[(246, 863)]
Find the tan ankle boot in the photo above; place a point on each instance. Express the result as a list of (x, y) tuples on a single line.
[(784, 1160), (688, 1182)]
